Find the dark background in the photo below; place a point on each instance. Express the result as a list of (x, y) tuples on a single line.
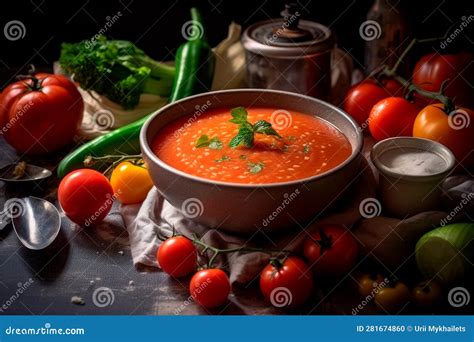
[(155, 26)]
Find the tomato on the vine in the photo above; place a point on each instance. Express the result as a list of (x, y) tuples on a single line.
[(86, 196), (41, 113), (286, 283), (331, 250), (177, 256), (454, 130), (362, 96), (210, 287), (457, 69), (130, 182), (392, 117)]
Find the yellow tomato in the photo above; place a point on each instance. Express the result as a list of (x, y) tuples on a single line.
[(130, 182), (454, 130)]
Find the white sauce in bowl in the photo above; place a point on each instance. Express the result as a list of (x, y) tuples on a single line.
[(413, 162)]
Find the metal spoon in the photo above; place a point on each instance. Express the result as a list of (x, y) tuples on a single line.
[(36, 222), (22, 172)]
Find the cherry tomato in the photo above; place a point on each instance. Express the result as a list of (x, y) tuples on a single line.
[(427, 293), (369, 282), (363, 96), (431, 70), (210, 288), (86, 196), (40, 114), (177, 256), (392, 117), (392, 298), (130, 182), (331, 251), (287, 283), (456, 131)]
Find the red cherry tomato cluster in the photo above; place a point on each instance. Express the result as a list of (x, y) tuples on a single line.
[(177, 256), (331, 251), (380, 105)]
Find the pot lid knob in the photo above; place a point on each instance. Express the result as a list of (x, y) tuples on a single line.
[(291, 32)]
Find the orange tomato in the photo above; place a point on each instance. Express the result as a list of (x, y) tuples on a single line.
[(455, 130), (130, 182)]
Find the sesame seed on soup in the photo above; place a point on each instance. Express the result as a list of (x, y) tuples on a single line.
[(199, 146)]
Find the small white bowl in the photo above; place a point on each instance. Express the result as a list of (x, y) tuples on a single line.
[(411, 173)]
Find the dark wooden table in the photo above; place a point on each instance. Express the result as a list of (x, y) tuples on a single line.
[(80, 261)]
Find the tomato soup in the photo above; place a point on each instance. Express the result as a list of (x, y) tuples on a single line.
[(300, 146)]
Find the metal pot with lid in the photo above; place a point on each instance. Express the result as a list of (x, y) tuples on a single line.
[(289, 54)]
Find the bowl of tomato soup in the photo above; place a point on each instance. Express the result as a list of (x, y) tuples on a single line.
[(249, 159)]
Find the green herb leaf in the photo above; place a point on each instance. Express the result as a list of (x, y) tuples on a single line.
[(223, 159), (306, 149), (203, 141), (264, 127), (243, 157), (244, 137), (239, 115), (213, 143), (246, 132), (255, 167)]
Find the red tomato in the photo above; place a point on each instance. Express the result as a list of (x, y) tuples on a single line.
[(455, 130), (86, 196), (210, 288), (363, 96), (431, 70), (392, 117), (41, 114), (286, 284), (331, 250), (177, 256)]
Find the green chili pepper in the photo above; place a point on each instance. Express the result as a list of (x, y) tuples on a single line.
[(194, 70)]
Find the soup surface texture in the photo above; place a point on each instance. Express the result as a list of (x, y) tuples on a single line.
[(307, 146)]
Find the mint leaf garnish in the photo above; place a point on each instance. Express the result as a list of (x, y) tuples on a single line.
[(213, 143)]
